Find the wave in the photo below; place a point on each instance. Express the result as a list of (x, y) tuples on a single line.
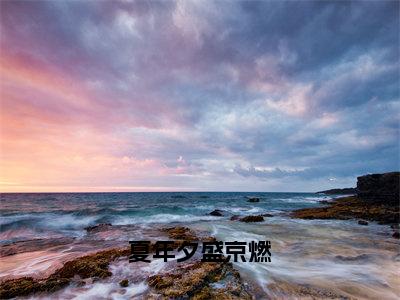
[(42, 222), (162, 218), (304, 199)]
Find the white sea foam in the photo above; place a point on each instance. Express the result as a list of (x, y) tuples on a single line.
[(162, 218), (102, 290), (68, 221), (303, 199)]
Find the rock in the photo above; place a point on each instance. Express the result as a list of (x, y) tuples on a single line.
[(33, 245), (124, 283), (345, 191), (27, 285), (396, 235), (267, 215), (361, 257), (290, 290), (98, 227), (248, 219), (93, 265), (180, 233), (253, 199), (216, 212), (362, 222), (199, 280), (379, 188), (324, 202), (377, 200), (351, 207), (235, 218)]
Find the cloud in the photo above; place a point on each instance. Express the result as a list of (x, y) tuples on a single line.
[(242, 94)]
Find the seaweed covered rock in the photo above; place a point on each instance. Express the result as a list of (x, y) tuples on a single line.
[(249, 219), (93, 265), (27, 285), (180, 233), (200, 280), (184, 234)]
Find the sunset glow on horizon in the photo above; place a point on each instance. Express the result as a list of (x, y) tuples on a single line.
[(186, 96)]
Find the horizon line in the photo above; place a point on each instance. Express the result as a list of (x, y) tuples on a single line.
[(126, 192)]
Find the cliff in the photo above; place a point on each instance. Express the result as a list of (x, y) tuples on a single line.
[(379, 188)]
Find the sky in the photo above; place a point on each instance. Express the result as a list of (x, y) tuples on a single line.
[(197, 95)]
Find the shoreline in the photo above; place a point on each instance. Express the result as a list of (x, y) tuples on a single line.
[(350, 207), (377, 200)]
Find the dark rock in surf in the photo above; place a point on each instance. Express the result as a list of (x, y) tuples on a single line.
[(235, 218), (217, 213), (249, 219), (124, 283), (97, 228), (267, 215), (253, 199)]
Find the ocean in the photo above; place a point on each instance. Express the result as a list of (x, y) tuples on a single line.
[(40, 231)]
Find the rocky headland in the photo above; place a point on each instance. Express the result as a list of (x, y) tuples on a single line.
[(345, 191), (377, 199)]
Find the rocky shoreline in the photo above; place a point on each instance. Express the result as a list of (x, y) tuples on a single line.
[(194, 280), (377, 200), (346, 208), (74, 271)]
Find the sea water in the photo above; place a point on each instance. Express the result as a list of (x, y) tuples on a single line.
[(334, 255)]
